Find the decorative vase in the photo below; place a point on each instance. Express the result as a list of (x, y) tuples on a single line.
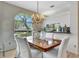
[(36, 36)]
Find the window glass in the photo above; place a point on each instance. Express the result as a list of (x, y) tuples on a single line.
[(23, 24)]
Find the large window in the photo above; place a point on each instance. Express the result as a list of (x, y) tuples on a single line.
[(23, 24)]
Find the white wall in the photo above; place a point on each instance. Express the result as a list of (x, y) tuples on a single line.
[(1, 16), (62, 18), (69, 17), (74, 27), (7, 14)]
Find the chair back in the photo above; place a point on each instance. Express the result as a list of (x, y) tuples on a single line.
[(23, 48), (63, 47)]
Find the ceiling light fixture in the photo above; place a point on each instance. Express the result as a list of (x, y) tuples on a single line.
[(37, 17)]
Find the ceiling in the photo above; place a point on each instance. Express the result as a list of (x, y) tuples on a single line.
[(44, 6)]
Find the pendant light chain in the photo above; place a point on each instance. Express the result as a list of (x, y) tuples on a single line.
[(37, 17), (37, 7)]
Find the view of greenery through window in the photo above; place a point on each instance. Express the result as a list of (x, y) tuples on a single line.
[(23, 24)]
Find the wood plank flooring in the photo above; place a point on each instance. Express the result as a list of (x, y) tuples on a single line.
[(11, 54)]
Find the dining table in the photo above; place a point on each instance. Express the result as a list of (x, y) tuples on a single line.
[(43, 45)]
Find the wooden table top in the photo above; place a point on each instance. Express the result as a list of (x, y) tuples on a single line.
[(43, 45)]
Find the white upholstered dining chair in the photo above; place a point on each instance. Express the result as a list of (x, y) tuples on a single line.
[(35, 52), (57, 53), (22, 49), (63, 47)]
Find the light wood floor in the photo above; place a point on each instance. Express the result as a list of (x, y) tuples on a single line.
[(8, 54), (11, 54)]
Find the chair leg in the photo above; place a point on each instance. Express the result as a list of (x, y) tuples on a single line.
[(3, 53), (42, 54)]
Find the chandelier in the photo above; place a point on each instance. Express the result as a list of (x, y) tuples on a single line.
[(37, 17)]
